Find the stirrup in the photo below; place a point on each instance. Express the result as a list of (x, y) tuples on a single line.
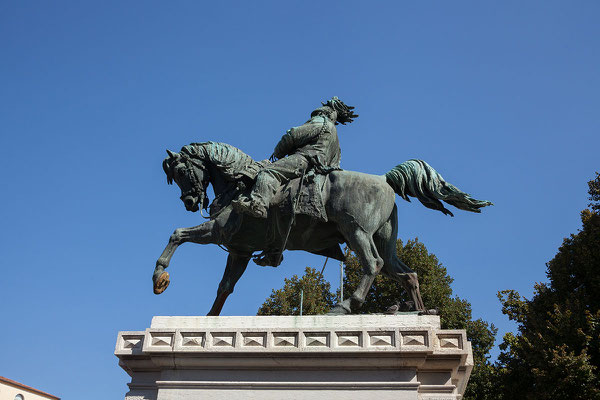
[(266, 259)]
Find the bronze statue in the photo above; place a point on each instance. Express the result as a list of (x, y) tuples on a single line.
[(303, 201)]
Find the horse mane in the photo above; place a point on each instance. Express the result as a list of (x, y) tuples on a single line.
[(230, 160)]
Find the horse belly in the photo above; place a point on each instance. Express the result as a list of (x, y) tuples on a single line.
[(310, 236)]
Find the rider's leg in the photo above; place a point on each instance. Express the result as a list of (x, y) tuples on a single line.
[(266, 186), (268, 183)]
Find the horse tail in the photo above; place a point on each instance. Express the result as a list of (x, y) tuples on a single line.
[(418, 179)]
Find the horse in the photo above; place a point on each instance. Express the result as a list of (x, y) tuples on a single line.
[(360, 210)]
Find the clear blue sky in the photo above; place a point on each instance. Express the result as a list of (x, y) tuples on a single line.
[(501, 97)]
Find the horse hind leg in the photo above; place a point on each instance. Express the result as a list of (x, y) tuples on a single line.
[(401, 273), (394, 268), (363, 245)]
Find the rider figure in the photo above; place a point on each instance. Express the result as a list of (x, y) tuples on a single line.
[(313, 145)]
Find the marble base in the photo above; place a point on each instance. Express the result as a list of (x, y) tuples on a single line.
[(291, 357)]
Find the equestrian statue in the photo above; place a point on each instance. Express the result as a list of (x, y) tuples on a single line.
[(300, 199)]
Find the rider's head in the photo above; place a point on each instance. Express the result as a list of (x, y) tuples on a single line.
[(336, 110)]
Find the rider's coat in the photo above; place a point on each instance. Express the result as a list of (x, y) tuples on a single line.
[(316, 140)]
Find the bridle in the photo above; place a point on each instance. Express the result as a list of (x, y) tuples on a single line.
[(198, 188)]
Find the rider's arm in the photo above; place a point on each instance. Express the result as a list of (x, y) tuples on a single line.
[(296, 138)]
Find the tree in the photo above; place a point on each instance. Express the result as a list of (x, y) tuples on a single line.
[(594, 192), (317, 295), (455, 313), (556, 352)]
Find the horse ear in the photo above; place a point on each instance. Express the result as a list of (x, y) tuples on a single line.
[(171, 154), (167, 169)]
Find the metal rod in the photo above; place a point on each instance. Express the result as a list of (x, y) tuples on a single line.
[(323, 269), (301, 300), (341, 281)]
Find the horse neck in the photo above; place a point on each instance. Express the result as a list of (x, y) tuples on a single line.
[(217, 180)]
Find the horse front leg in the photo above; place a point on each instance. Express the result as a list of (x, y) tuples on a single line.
[(236, 265), (202, 234)]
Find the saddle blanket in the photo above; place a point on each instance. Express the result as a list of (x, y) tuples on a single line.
[(309, 201)]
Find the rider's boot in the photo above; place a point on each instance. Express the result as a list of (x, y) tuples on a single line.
[(244, 204), (257, 203)]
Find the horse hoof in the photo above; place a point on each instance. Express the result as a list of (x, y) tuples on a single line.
[(161, 284), (339, 310)]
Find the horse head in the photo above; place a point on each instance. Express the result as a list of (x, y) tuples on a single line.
[(191, 176)]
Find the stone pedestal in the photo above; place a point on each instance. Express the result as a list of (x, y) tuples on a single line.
[(309, 357)]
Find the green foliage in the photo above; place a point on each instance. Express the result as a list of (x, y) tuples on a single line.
[(594, 192), (556, 351), (455, 313), (318, 298)]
